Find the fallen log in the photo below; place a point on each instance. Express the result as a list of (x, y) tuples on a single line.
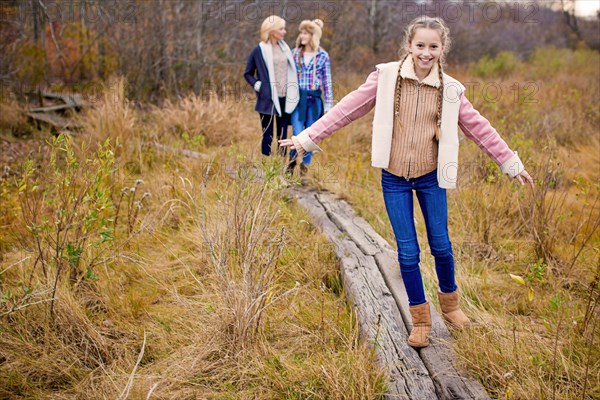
[(54, 121), (173, 150), (71, 99), (380, 321), (50, 116), (49, 109), (450, 382)]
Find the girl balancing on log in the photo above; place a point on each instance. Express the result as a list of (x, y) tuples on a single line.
[(418, 109)]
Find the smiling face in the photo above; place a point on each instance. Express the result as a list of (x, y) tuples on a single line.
[(426, 48), (305, 37)]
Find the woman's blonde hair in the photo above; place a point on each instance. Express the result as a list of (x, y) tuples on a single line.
[(270, 24), (438, 25)]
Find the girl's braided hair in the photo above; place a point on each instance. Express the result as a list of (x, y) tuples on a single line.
[(438, 25)]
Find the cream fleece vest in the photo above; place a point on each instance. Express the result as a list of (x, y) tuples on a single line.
[(383, 122)]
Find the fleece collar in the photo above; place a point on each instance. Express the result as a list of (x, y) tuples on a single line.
[(408, 72)]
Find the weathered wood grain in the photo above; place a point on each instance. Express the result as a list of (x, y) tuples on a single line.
[(380, 321)]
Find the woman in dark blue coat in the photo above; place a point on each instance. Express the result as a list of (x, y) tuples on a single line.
[(271, 71)]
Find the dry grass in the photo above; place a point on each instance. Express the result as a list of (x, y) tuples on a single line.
[(213, 291), (200, 122), (112, 115), (13, 118)]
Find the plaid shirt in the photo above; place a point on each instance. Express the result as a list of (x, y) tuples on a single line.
[(306, 74)]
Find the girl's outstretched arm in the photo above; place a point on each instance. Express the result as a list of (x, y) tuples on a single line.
[(353, 106)]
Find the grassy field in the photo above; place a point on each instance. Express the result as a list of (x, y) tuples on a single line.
[(132, 272)]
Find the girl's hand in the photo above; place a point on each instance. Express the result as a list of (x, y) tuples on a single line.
[(294, 144), (525, 177)]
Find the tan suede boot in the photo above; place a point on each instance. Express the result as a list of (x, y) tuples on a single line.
[(421, 319), (451, 312)]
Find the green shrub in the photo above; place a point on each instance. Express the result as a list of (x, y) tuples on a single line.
[(504, 63)]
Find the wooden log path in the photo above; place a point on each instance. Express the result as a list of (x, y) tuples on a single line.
[(373, 284), (372, 281), (70, 100)]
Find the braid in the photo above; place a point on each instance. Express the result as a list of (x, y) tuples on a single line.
[(440, 100), (399, 88)]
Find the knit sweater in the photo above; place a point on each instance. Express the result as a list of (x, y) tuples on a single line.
[(414, 146), (280, 66)]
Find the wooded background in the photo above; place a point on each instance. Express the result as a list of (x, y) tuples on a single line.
[(167, 48)]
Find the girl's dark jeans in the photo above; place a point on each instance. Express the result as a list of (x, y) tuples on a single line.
[(398, 197)]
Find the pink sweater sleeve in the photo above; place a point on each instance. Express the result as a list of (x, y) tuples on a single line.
[(479, 130), (353, 106)]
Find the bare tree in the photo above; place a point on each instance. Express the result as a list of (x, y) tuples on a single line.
[(170, 47), (568, 7)]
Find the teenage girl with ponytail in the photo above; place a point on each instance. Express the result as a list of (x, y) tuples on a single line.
[(418, 109)]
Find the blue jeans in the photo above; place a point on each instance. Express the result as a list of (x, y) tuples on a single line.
[(398, 197), (298, 126)]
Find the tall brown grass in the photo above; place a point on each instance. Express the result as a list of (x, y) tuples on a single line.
[(200, 121), (208, 288), (111, 114), (13, 118)]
